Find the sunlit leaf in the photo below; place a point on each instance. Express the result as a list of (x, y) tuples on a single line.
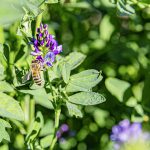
[(51, 1), (75, 59), (34, 130), (10, 11), (5, 87), (10, 108), (117, 87), (3, 133), (66, 72), (46, 141), (87, 98), (84, 80), (106, 24), (40, 96), (73, 110)]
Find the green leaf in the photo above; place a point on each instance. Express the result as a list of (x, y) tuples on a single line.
[(66, 72), (100, 116), (124, 9), (117, 87), (75, 59), (6, 51), (87, 98), (34, 130), (1, 72), (33, 9), (46, 141), (10, 10), (73, 110), (40, 96), (131, 102), (10, 108), (47, 129), (5, 87), (106, 24), (4, 134), (20, 53), (84, 80), (51, 1)]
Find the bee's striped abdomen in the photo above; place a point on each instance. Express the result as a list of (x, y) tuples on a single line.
[(36, 68)]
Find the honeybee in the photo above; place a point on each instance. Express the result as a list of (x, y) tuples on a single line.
[(35, 72)]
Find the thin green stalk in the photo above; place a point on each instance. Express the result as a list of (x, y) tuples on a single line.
[(39, 19), (54, 139), (32, 110)]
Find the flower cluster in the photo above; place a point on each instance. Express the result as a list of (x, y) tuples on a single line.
[(45, 46), (127, 135), (63, 128)]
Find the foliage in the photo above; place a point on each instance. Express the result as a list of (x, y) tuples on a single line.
[(111, 37)]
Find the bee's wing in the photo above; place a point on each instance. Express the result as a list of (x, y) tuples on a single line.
[(26, 77)]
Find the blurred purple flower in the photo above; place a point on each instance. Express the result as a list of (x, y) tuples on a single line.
[(63, 129), (125, 132), (45, 46), (58, 134)]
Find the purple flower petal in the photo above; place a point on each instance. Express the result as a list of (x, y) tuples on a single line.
[(46, 32), (53, 44), (45, 26), (42, 42), (40, 58), (37, 52), (116, 129), (49, 58), (58, 50), (49, 64), (40, 35), (124, 124)]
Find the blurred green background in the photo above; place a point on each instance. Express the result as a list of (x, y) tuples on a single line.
[(119, 46)]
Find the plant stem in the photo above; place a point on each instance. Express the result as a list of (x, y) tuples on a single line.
[(39, 19), (54, 140)]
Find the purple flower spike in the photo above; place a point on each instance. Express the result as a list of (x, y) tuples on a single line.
[(45, 46), (64, 127)]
